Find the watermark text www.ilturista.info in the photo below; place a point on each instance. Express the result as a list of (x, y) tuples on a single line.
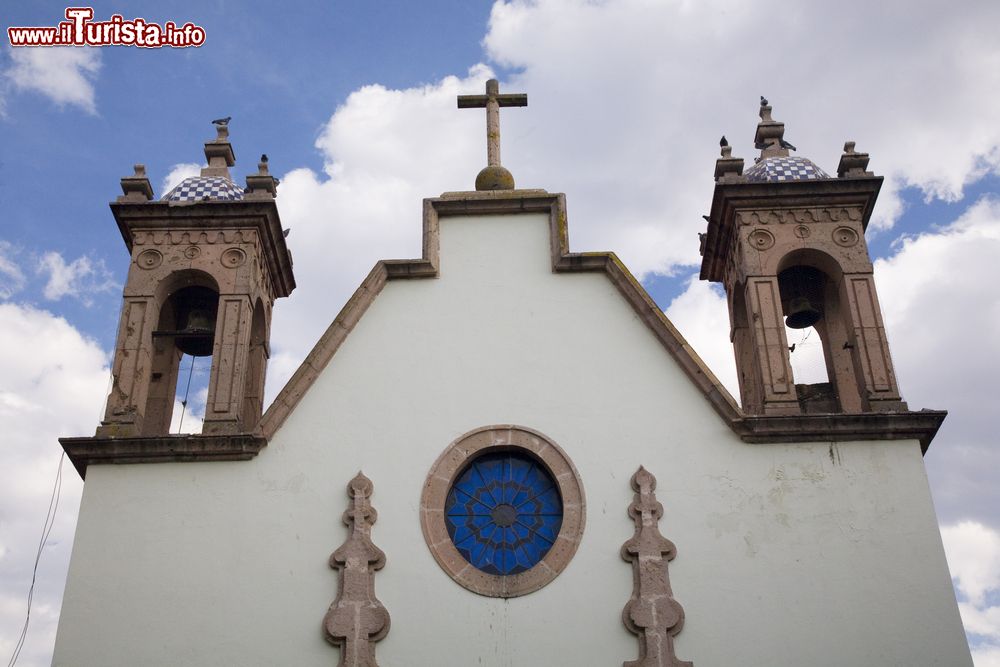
[(81, 30)]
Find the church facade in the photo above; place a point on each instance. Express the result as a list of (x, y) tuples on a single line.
[(503, 453)]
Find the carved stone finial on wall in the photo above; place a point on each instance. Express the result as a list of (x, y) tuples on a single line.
[(356, 619), (652, 614)]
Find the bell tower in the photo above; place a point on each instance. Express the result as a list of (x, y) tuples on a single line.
[(208, 261), (786, 240)]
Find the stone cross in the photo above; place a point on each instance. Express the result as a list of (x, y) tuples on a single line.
[(492, 100)]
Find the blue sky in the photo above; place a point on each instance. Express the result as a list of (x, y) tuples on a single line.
[(354, 104)]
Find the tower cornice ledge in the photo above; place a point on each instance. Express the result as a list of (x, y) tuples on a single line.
[(732, 198), (921, 425), (161, 449), (207, 216)]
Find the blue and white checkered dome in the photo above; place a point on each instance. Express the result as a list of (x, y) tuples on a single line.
[(791, 168), (205, 188)]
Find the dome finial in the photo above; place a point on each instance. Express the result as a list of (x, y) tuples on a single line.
[(852, 164), (219, 152), (770, 137), (727, 167)]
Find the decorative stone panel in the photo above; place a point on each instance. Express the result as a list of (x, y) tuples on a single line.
[(356, 619), (652, 614)]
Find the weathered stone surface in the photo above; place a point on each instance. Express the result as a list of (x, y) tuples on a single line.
[(652, 614), (494, 176), (235, 249), (356, 619), (757, 233), (163, 449)]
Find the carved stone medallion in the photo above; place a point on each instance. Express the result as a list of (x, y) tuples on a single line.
[(149, 259), (761, 239), (233, 257), (845, 237)]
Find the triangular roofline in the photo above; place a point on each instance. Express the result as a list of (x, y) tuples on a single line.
[(922, 425)]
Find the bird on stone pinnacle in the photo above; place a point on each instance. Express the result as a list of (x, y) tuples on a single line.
[(222, 122), (763, 101), (723, 142), (263, 157)]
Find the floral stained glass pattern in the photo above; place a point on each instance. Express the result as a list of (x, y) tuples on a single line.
[(503, 513)]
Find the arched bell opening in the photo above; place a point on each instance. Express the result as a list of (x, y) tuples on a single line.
[(811, 285), (182, 347), (257, 356), (803, 291)]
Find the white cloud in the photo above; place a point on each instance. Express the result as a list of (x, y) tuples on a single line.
[(192, 420), (63, 74), (624, 98), (943, 324), (973, 551), (177, 174), (628, 99), (701, 315), (52, 383), (80, 278), (986, 657), (385, 150), (974, 558), (11, 276)]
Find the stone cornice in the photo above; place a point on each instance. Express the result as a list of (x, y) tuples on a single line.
[(161, 449), (860, 192), (213, 215), (921, 425)]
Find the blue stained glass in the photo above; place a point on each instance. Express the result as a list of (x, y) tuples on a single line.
[(503, 513)]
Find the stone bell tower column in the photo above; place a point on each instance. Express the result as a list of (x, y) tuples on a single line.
[(786, 240), (208, 261)]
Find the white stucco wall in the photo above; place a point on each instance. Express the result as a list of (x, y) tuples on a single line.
[(811, 554)]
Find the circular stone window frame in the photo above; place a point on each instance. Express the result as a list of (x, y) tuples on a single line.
[(443, 475)]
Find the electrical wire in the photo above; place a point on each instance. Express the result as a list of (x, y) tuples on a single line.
[(50, 520)]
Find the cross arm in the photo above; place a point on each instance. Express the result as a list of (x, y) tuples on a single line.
[(513, 100), (472, 101), (480, 101)]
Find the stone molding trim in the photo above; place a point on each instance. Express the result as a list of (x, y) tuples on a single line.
[(839, 427), (652, 614), (921, 425), (161, 449), (198, 223), (443, 474), (803, 202), (356, 619)]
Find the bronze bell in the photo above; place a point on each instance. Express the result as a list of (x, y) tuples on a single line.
[(196, 312), (801, 295), (801, 314)]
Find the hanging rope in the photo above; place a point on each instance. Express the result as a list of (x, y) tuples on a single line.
[(180, 424)]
